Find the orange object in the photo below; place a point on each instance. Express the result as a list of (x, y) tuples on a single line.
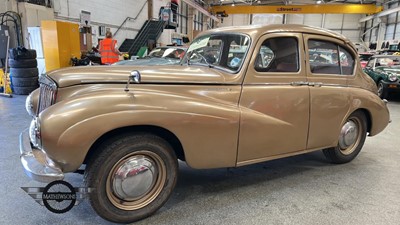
[(107, 50)]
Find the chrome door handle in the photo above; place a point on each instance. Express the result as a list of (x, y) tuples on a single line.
[(299, 83), (315, 84)]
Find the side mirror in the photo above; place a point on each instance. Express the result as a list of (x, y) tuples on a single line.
[(135, 76)]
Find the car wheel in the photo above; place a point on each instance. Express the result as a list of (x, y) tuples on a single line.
[(382, 92), (131, 177), (351, 139)]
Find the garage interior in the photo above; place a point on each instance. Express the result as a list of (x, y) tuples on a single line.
[(303, 189)]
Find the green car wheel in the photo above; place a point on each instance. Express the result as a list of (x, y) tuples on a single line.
[(382, 92)]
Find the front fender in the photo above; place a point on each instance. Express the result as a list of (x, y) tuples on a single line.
[(207, 129)]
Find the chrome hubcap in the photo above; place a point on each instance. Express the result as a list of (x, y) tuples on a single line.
[(134, 178), (348, 134)]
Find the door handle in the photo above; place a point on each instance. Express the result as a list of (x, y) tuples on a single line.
[(315, 84), (299, 83)]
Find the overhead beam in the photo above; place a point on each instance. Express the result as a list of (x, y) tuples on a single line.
[(383, 13), (299, 9)]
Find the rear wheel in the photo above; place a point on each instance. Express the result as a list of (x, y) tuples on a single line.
[(351, 139), (132, 176)]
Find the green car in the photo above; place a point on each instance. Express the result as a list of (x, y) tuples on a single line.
[(385, 71)]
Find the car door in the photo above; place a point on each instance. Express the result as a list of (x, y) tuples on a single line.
[(329, 91), (274, 102)]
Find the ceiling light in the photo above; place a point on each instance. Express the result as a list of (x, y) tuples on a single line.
[(319, 1)]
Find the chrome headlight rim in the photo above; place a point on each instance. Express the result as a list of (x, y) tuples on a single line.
[(35, 133), (29, 105), (392, 77)]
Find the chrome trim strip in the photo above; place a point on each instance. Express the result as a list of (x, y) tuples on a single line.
[(305, 83), (102, 81)]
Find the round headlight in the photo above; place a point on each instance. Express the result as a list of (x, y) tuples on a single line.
[(29, 105), (34, 133), (392, 77)]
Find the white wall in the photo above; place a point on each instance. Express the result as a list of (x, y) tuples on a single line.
[(7, 5), (110, 13), (235, 20)]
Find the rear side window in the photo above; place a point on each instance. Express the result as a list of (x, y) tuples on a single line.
[(346, 61), (278, 55), (329, 58)]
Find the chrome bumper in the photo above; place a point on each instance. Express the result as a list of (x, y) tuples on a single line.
[(34, 161)]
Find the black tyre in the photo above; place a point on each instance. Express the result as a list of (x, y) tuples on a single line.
[(351, 139), (22, 53), (22, 63), (24, 81), (24, 72), (132, 176), (382, 92), (23, 90)]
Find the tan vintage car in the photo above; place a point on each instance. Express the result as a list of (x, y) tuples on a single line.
[(241, 95)]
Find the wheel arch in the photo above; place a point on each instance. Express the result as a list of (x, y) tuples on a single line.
[(167, 135), (368, 116)]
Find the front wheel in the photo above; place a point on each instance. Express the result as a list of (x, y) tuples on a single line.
[(382, 92), (131, 177), (351, 139)]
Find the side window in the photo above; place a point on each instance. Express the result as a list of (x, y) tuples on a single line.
[(346, 61), (237, 50), (329, 58), (323, 57), (278, 55)]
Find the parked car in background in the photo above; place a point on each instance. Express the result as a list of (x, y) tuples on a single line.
[(364, 57), (158, 56), (237, 98), (385, 71)]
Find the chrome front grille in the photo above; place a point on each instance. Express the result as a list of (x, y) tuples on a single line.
[(48, 93)]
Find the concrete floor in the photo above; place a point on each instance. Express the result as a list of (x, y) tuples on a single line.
[(298, 190)]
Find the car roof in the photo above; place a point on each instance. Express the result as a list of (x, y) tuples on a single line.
[(255, 30), (273, 28)]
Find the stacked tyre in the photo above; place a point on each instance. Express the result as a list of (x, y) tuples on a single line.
[(24, 73)]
